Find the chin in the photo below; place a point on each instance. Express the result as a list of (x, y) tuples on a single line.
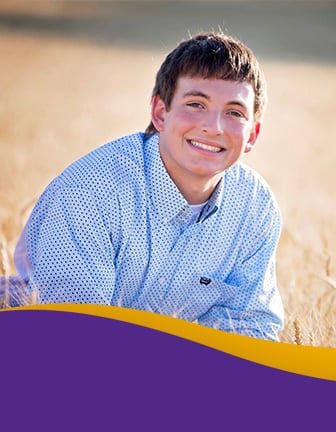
[(207, 173)]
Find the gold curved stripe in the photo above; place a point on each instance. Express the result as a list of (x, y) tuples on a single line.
[(311, 361)]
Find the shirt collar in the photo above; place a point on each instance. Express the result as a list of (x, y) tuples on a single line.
[(214, 202), (165, 196)]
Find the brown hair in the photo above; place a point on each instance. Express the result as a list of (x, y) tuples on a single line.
[(210, 55)]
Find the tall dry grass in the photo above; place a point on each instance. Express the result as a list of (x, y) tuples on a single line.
[(62, 98)]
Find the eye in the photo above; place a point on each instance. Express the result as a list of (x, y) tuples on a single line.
[(235, 113), (195, 105)]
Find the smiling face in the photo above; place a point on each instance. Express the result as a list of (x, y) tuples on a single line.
[(207, 127)]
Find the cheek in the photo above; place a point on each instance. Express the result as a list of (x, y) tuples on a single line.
[(183, 118), (238, 130)]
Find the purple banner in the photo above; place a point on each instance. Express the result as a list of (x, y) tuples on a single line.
[(65, 371)]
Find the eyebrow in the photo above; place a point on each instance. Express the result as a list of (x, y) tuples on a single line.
[(196, 93), (241, 104), (204, 95)]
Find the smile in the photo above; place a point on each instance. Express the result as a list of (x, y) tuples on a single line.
[(205, 146)]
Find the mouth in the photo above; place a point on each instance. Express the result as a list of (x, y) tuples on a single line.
[(209, 148)]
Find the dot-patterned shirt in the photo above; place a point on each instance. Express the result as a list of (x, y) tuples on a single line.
[(114, 229)]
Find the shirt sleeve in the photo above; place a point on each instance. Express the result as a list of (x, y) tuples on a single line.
[(256, 308), (65, 253)]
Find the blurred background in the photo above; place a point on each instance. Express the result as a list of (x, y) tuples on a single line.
[(76, 74)]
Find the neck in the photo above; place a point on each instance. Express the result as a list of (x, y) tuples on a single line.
[(195, 188), (197, 192)]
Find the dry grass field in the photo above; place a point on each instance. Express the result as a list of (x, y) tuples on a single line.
[(63, 94)]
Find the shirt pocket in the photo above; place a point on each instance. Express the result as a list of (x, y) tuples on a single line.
[(199, 295)]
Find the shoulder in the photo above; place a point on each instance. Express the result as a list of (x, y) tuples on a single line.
[(251, 191), (106, 165), (248, 182), (255, 203), (100, 174), (96, 180)]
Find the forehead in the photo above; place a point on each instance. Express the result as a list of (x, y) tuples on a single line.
[(216, 90)]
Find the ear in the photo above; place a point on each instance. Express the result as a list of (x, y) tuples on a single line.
[(253, 137), (158, 113)]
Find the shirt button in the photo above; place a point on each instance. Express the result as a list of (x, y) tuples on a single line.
[(162, 280), (165, 221)]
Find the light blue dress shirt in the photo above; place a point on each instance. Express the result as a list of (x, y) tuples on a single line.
[(113, 229)]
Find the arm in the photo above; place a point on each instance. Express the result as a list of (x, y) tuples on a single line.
[(65, 252), (256, 308)]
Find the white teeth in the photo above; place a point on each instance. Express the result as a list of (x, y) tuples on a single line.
[(205, 147)]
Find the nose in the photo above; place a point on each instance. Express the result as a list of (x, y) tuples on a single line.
[(213, 124)]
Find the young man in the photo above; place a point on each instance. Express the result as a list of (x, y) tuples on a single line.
[(169, 221)]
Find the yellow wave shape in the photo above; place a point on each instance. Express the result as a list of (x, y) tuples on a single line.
[(317, 362)]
